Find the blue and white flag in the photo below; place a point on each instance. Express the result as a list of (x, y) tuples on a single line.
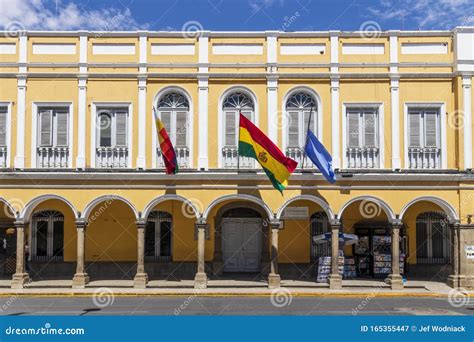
[(319, 156)]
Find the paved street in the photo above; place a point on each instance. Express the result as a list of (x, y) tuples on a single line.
[(192, 305)]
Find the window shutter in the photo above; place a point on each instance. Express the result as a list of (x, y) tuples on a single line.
[(181, 128), (121, 129), (230, 129), (414, 126), (430, 129), (293, 129), (61, 128), (46, 117), (247, 114), (3, 127), (353, 129), (306, 119), (369, 129)]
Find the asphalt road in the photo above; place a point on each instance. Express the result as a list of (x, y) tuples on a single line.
[(191, 305)]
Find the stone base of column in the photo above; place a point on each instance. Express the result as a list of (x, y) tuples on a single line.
[(140, 281), (274, 281), (335, 281), (395, 281), (461, 281), (80, 280), (200, 281), (19, 280)]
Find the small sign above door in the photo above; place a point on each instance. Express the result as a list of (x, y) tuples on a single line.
[(295, 213)]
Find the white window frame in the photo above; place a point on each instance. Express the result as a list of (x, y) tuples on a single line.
[(36, 106), (96, 107), (441, 107), (379, 130), (221, 120), (8, 128), (318, 121), (190, 131)]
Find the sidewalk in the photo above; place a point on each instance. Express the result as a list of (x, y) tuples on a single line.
[(354, 288)]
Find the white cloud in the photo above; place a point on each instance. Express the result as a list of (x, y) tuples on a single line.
[(257, 5), (66, 15), (426, 14)]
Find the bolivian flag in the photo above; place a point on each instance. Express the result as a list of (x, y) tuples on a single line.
[(166, 147), (254, 144)]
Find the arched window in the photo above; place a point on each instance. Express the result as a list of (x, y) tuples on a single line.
[(233, 105), (300, 108), (173, 109), (433, 239), (319, 225), (47, 236), (158, 235)]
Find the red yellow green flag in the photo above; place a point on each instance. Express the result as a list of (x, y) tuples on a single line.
[(166, 147), (254, 144)]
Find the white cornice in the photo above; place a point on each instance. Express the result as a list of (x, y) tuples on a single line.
[(238, 34)]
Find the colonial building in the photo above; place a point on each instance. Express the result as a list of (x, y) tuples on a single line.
[(85, 195)]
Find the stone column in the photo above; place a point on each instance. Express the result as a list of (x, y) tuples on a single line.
[(20, 278), (141, 278), (274, 279), (335, 279), (200, 280), (395, 279), (80, 278), (456, 280)]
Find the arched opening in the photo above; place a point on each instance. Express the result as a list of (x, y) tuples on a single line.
[(233, 104), (111, 239), (370, 256), (170, 234), (241, 237), (301, 111), (7, 241), (430, 241), (51, 238), (174, 111)]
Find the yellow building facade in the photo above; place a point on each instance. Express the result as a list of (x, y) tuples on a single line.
[(85, 195)]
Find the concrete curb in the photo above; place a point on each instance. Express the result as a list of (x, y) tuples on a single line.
[(228, 294)]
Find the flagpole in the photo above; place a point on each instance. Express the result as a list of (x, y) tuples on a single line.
[(306, 140), (238, 140)]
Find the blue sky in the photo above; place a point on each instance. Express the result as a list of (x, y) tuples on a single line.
[(251, 15)]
